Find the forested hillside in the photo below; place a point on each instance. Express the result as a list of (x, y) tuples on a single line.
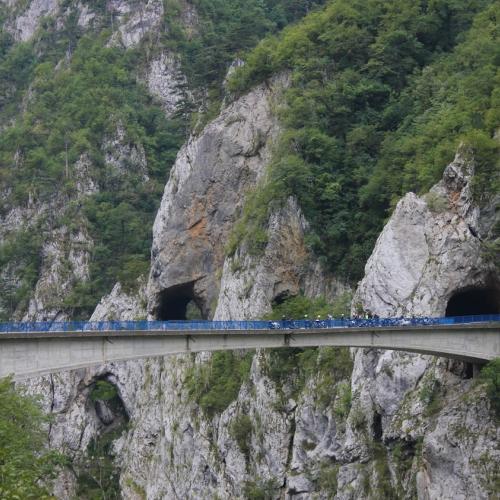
[(382, 93)]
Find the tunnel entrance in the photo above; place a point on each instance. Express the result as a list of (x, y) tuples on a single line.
[(474, 301), (179, 303)]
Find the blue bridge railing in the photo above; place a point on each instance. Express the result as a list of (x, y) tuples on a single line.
[(96, 326)]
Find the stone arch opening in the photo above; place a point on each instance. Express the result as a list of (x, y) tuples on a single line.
[(472, 301), (179, 302), (107, 402)]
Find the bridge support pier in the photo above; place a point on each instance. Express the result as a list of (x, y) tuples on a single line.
[(476, 369)]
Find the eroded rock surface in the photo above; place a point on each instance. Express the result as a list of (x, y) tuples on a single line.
[(251, 284), (203, 196), (166, 81), (431, 248)]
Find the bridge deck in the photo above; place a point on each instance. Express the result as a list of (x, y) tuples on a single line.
[(33, 353)]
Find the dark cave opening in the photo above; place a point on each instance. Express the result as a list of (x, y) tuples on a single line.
[(179, 303), (97, 471), (474, 301), (468, 372), (377, 426), (281, 298)]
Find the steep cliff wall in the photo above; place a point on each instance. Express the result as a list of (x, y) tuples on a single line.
[(399, 425), (297, 424), (202, 199)]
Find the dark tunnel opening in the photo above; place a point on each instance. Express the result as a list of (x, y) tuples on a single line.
[(179, 303), (474, 301)]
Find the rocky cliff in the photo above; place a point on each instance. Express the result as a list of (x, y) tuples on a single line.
[(379, 424), (202, 198), (325, 423)]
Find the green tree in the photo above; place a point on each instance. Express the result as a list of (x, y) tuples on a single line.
[(25, 464)]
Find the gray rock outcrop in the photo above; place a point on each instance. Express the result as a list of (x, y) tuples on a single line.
[(431, 248), (251, 284), (167, 83), (203, 196), (122, 304)]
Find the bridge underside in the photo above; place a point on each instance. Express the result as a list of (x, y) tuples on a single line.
[(29, 354)]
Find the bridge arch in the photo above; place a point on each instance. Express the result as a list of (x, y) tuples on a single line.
[(474, 300)]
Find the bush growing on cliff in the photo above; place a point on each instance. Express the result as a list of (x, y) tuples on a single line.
[(296, 307), (241, 431), (292, 367), (25, 463), (260, 489), (215, 384), (490, 375)]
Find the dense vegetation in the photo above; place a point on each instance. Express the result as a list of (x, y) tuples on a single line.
[(382, 93), (24, 463), (226, 29)]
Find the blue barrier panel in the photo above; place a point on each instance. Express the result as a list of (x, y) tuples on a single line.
[(303, 324)]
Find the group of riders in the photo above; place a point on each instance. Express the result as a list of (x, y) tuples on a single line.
[(360, 320)]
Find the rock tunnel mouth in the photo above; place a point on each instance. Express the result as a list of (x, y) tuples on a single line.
[(474, 301), (179, 303)]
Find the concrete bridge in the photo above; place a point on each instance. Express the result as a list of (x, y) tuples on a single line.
[(30, 353)]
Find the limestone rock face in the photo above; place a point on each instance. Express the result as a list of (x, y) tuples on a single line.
[(204, 193), (431, 248), (124, 157), (65, 261), (121, 305), (136, 20), (64, 252), (131, 21), (166, 81), (250, 284), (27, 23)]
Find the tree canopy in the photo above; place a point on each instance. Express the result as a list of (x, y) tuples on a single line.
[(25, 463), (382, 93)]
